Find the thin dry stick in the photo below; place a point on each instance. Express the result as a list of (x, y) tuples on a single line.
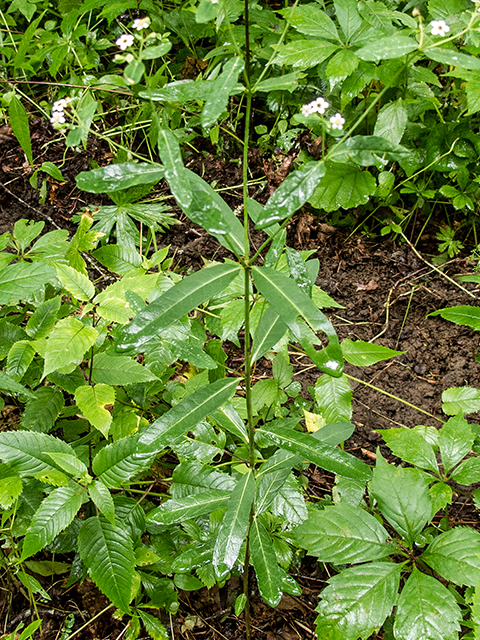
[(90, 622)]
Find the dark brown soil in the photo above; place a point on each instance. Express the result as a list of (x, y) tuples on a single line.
[(387, 292)]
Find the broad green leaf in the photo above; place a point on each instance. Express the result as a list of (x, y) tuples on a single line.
[(369, 150), (391, 121), (411, 446), (453, 58), (77, 284), (47, 568), (179, 92), (364, 354), (343, 534), (93, 403), (22, 280), (341, 65), (312, 21), (465, 315), (41, 413), (455, 556), (467, 472), (43, 319), (55, 513), (343, 186), (270, 484), (176, 303), (358, 600), (305, 53), (19, 359), (107, 552), (9, 334), (172, 425), (116, 177), (440, 495), (180, 509), (155, 629), (269, 578), (71, 464), (348, 17), (18, 119), (455, 440), (286, 82), (67, 344), (403, 498), (25, 451), (119, 259), (426, 609), (119, 370), (115, 310), (334, 433), (460, 400), (289, 503), (193, 478), (235, 523), (334, 398), (10, 488), (8, 384), (103, 500), (228, 418), (292, 194), (289, 301), (218, 98), (270, 330), (387, 48), (323, 455), (117, 463)]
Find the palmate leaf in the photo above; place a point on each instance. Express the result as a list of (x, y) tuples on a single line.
[(67, 344), (343, 534), (269, 578), (93, 403), (107, 552), (176, 303), (234, 525), (426, 610), (55, 513), (455, 556), (119, 370), (115, 177), (21, 280), (357, 601), (180, 509), (117, 463)]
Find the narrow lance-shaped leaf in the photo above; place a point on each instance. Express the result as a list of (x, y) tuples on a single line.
[(178, 510), (116, 463), (43, 319), (175, 303), (269, 578), (171, 156), (271, 329), (103, 500), (107, 552), (218, 98), (235, 523), (18, 119)]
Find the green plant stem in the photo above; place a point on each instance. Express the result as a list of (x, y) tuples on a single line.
[(390, 395)]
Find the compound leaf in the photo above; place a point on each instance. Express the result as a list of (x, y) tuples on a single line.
[(455, 440)]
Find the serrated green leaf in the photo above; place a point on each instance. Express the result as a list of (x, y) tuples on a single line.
[(24, 450), (289, 503), (67, 344), (42, 412), (465, 315), (305, 53), (102, 498), (22, 280), (47, 568), (180, 509), (19, 359), (454, 555), (115, 177), (269, 578), (18, 119), (455, 440), (321, 454), (107, 552), (411, 446), (343, 534), (93, 401), (8, 384), (175, 303), (357, 601), (292, 194), (10, 488), (348, 17), (387, 48), (391, 121), (117, 463), (312, 21), (55, 513), (228, 418), (334, 398), (119, 370), (77, 284), (115, 310), (269, 485), (440, 495), (467, 472), (343, 186), (193, 477), (71, 464), (218, 98), (460, 400), (43, 319), (426, 609), (154, 627), (271, 329), (118, 258), (364, 354), (403, 498)]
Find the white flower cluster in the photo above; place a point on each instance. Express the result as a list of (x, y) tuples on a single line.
[(58, 115), (125, 41), (320, 105), (439, 27)]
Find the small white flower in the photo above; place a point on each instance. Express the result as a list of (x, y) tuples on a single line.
[(141, 23), (439, 28), (337, 121), (321, 105), (307, 109), (57, 117), (124, 41), (59, 105)]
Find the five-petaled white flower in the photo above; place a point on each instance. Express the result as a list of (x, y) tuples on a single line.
[(319, 105), (439, 27), (59, 105), (124, 41), (141, 23), (337, 121), (57, 117)]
